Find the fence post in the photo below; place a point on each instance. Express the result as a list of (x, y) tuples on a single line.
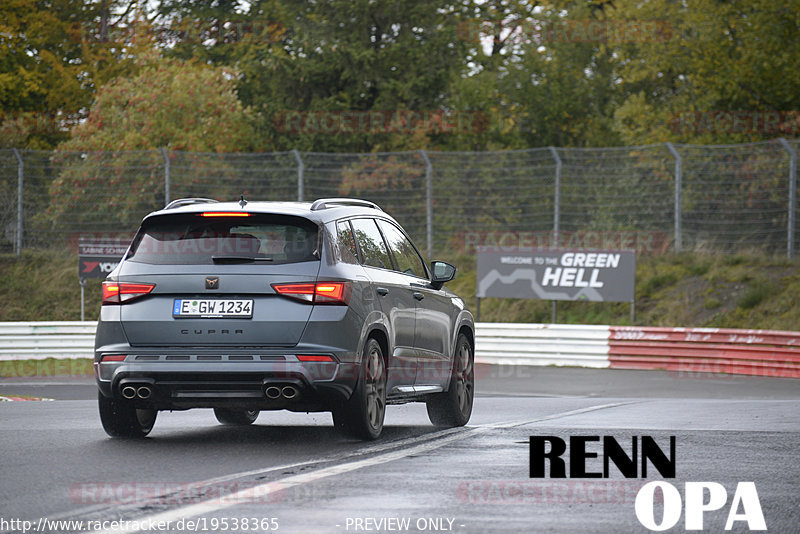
[(556, 216), (20, 174), (166, 175), (556, 198), (428, 201), (678, 192), (300, 174), (792, 195)]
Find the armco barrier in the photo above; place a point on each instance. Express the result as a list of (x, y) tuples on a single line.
[(41, 340), (710, 350), (542, 344)]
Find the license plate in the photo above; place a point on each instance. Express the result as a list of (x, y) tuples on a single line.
[(211, 308)]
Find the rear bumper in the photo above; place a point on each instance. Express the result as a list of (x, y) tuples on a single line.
[(244, 379)]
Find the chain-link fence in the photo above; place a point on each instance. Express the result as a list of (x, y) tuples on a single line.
[(652, 198)]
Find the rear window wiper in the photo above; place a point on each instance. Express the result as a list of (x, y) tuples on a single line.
[(238, 259)]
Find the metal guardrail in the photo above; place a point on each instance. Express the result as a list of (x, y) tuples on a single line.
[(707, 350), (42, 340), (501, 343), (542, 344)]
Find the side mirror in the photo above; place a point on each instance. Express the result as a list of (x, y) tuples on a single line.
[(442, 272)]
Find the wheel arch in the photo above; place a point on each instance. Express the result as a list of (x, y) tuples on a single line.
[(376, 326), (469, 333), (465, 324), (379, 335)]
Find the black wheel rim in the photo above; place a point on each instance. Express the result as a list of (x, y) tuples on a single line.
[(374, 388), (465, 380)]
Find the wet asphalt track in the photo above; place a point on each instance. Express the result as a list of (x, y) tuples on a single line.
[(294, 468)]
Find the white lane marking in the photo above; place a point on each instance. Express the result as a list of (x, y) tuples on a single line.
[(506, 394), (256, 472), (215, 505), (84, 383), (512, 424), (361, 452), (14, 398)]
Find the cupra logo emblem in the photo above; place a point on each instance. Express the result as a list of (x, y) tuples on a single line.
[(212, 282)]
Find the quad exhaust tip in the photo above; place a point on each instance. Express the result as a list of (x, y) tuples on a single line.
[(285, 392), (131, 391)]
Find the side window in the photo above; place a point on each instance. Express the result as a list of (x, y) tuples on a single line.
[(373, 249), (404, 253), (347, 243)]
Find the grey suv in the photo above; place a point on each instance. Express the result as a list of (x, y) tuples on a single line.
[(250, 306)]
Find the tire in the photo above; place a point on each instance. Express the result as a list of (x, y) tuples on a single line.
[(454, 407), (235, 417), (122, 419), (362, 415)]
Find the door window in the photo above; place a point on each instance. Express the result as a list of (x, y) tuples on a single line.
[(405, 255), (370, 241), (347, 243)]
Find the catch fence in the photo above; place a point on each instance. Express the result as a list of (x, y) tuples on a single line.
[(653, 198)]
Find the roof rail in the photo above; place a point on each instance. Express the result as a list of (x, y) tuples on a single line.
[(325, 203), (177, 203)]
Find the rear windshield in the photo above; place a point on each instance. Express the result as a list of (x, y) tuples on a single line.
[(198, 240)]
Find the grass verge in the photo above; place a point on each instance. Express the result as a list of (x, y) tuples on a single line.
[(687, 289)]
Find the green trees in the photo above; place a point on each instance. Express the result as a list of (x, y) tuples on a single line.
[(53, 56), (718, 57), (350, 56), (179, 105), (555, 72), (168, 104)]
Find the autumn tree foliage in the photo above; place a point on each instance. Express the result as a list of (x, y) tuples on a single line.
[(170, 104), (547, 73), (54, 56)]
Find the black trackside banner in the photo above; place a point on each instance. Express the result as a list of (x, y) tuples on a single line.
[(97, 258), (597, 275)]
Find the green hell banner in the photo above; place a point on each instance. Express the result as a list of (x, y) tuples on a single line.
[(600, 276)]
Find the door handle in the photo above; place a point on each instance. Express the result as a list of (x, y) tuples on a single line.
[(418, 295), (382, 291)]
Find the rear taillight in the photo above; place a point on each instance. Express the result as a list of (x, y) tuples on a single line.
[(319, 293), (118, 293)]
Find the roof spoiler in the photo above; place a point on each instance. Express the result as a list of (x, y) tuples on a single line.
[(177, 203), (326, 203)]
